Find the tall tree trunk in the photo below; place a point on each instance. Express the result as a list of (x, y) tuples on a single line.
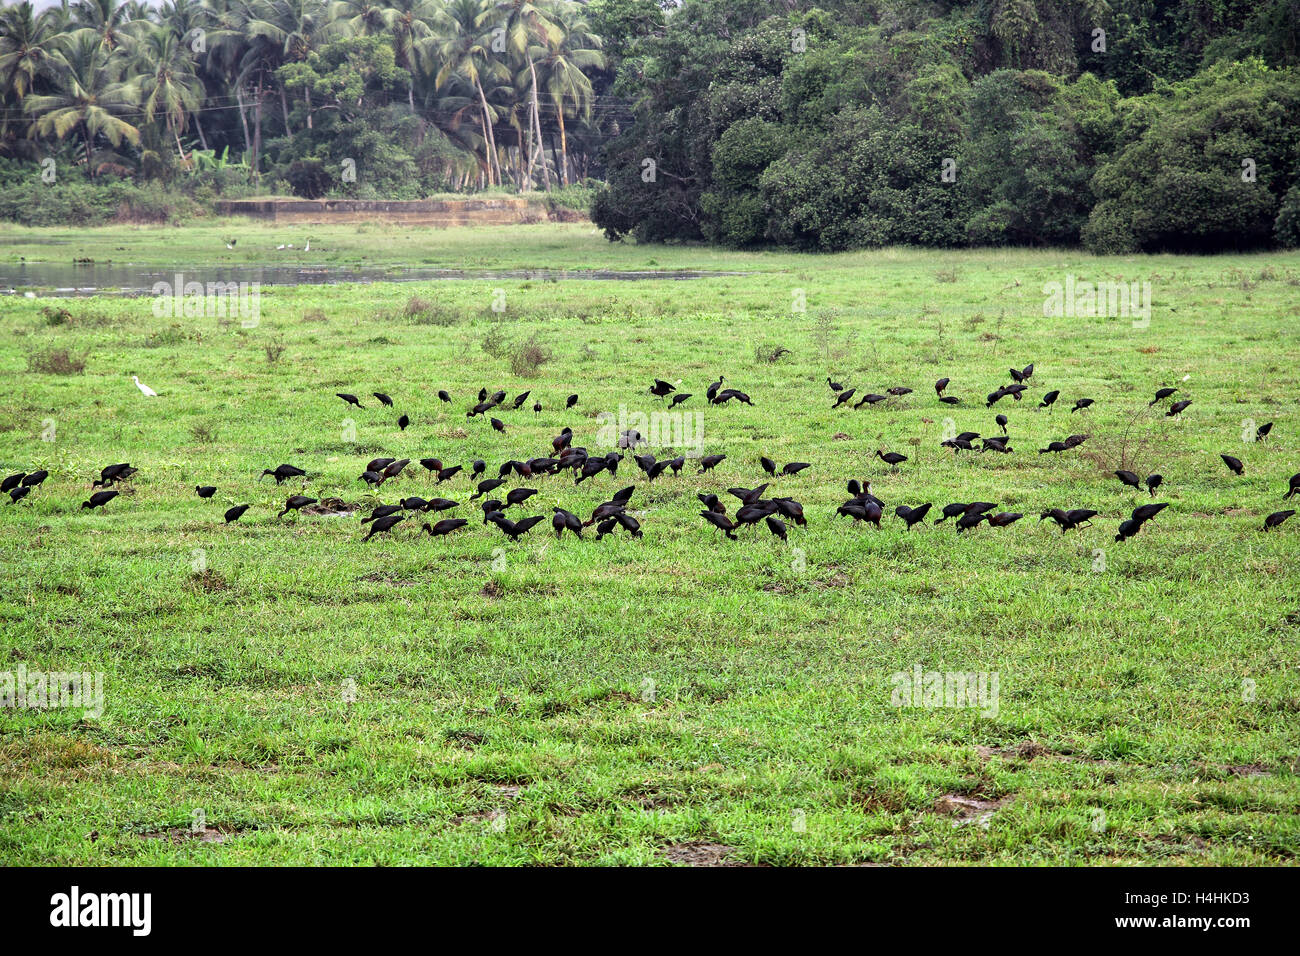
[(284, 105), (307, 95), (564, 149), (199, 127), (537, 117), (257, 131), (489, 137), (243, 118), (177, 133)]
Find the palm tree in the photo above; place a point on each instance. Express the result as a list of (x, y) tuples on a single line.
[(464, 51), (361, 18), (113, 23), (89, 97), (411, 23), (526, 27), (563, 67), (28, 42), (286, 31), (166, 82)]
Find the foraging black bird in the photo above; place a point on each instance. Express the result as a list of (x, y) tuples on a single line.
[(872, 512), (19, 493), (484, 487), (294, 503), (994, 397), (957, 444), (1262, 431), (967, 436), (835, 386), (1145, 513), (1060, 516), (1027, 372), (445, 526), (940, 385), (431, 464), (1049, 399), (383, 511), (1128, 478), (1276, 518), (442, 504), (628, 524), (789, 508), (394, 468), (605, 527), (590, 469), (893, 458), (383, 399), (721, 522), (235, 513), (970, 520), (13, 481), (520, 399), (1081, 403), (898, 391), (379, 464), (566, 520), (446, 474), (1072, 441), (1154, 482), (1055, 446), (871, 399), (912, 515), (843, 397), (854, 509), (712, 502), (383, 524), (952, 511), (373, 478), (1293, 486), (498, 425), (489, 507), (480, 408), (678, 399), (563, 440), (950, 399), (1003, 519), (1127, 529), (794, 467), (444, 395), (350, 399), (657, 469), (403, 422), (709, 462), (35, 479), (712, 390), (518, 496), (571, 401), (537, 406), (206, 491), (1002, 422), (753, 514), (776, 526), (1017, 375), (1078, 517), (727, 394), (661, 388), (1177, 408), (748, 495), (1161, 395), (482, 394), (979, 507), (283, 473), (414, 504), (1234, 464), (514, 530), (114, 473), (478, 466), (97, 500)]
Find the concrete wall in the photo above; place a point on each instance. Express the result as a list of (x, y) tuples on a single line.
[(429, 212)]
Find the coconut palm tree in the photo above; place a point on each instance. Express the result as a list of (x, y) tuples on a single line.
[(28, 41), (463, 50), (562, 67), (89, 97), (112, 22), (166, 82), (411, 23)]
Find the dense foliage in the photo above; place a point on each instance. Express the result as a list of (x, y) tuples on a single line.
[(1128, 125)]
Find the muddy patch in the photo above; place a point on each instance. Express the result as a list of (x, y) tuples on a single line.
[(330, 508), (182, 835), (966, 809), (700, 854)]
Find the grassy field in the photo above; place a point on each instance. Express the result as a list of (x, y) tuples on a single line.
[(278, 692)]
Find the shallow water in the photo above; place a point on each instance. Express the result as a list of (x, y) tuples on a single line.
[(64, 279)]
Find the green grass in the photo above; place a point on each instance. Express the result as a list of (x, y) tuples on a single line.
[(503, 712)]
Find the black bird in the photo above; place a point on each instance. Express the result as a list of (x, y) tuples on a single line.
[(379, 464), (994, 397), (1078, 517), (722, 522), (235, 513), (794, 467), (431, 464), (1154, 482), (484, 487), (727, 394), (294, 503), (1276, 518), (414, 504), (1049, 399), (712, 502), (628, 524), (1128, 478), (383, 511), (515, 529), (537, 406), (498, 425), (1234, 464), (753, 514), (1081, 403), (605, 527), (1145, 513), (843, 397), (13, 481), (1262, 431), (872, 512), (350, 399), (1017, 375), (871, 399), (571, 401), (1003, 519), (952, 511), (384, 399), (97, 500), (835, 386), (22, 491), (1161, 395), (748, 495), (1177, 408), (1002, 421), (478, 466), (482, 394), (444, 395), (969, 520), (854, 509), (776, 526), (35, 478), (1127, 529), (1027, 372), (893, 458), (912, 515), (282, 473), (382, 524), (446, 474), (661, 388), (520, 399), (394, 468), (1055, 446), (950, 399), (489, 507), (206, 491), (114, 473), (1060, 516), (518, 496), (678, 399), (442, 504), (403, 422), (940, 385), (566, 519), (712, 390), (709, 462), (898, 391), (1293, 486), (374, 478), (979, 507), (791, 509), (445, 526)]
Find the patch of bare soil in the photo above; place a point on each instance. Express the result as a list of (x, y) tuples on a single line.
[(965, 808), (330, 508), (700, 854), (181, 835)]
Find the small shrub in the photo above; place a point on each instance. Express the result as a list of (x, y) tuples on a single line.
[(56, 362), (494, 341), (273, 351), (769, 354), (527, 358)]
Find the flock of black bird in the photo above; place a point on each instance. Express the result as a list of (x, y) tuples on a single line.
[(752, 507)]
